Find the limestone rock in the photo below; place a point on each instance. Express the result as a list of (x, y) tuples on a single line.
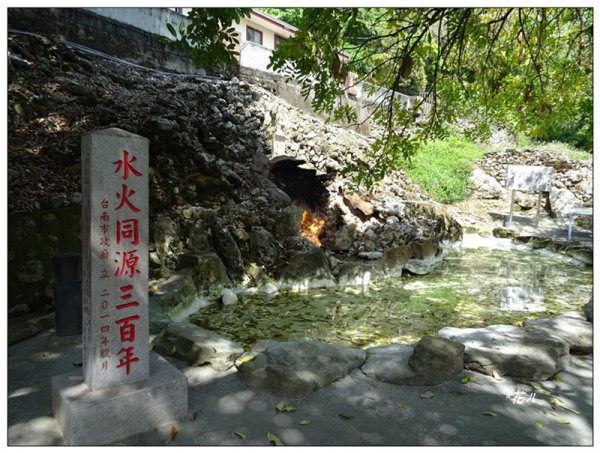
[(313, 264), (396, 257), (561, 200), (177, 289), (588, 309), (263, 246), (511, 351), (209, 268), (436, 360), (389, 363), (569, 327), (431, 361), (228, 297), (198, 346), (486, 186), (297, 368)]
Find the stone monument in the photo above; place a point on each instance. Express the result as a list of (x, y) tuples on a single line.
[(124, 389)]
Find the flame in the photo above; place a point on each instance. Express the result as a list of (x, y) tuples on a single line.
[(311, 227)]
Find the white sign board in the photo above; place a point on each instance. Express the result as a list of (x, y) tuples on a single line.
[(529, 178)]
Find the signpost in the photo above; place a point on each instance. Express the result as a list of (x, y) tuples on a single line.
[(531, 179), (124, 389)]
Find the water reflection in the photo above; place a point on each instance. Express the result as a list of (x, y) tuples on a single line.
[(514, 298), (519, 297)]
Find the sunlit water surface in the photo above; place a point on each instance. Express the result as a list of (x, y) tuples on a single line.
[(470, 288)]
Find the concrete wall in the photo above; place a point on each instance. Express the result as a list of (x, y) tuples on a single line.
[(255, 56), (152, 20), (103, 33)]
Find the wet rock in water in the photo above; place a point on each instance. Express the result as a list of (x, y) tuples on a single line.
[(312, 264), (424, 249), (228, 297), (509, 350), (370, 255), (588, 309), (431, 361), (297, 368), (569, 327), (197, 346), (502, 232)]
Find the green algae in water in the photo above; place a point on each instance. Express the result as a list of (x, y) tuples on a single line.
[(474, 288)]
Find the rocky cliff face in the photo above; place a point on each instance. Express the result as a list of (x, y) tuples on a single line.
[(221, 215)]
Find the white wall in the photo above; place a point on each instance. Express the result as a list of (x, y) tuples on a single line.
[(152, 20)]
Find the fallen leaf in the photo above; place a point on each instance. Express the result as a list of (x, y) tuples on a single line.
[(539, 425), (456, 393), (246, 359), (490, 413), (274, 439), (427, 394), (555, 402), (283, 407), (346, 417), (468, 379), (562, 421), (496, 376), (304, 422), (173, 433), (241, 435), (173, 350)]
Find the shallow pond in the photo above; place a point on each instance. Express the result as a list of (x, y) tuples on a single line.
[(470, 288)]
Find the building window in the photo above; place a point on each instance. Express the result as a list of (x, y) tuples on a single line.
[(253, 35), (278, 40)]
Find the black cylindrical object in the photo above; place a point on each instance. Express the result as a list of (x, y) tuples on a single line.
[(67, 267), (67, 294)]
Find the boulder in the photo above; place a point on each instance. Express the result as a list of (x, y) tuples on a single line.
[(311, 264), (295, 369), (263, 246), (569, 327), (423, 249), (228, 297), (509, 350), (561, 200), (209, 268), (176, 290), (198, 346), (396, 257), (485, 185), (431, 361)]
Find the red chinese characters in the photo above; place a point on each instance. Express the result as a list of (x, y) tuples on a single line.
[(127, 237)]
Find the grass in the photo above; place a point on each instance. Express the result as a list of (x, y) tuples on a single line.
[(443, 168)]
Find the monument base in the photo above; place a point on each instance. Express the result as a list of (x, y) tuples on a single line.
[(103, 416)]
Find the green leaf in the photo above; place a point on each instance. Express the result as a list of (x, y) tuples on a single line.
[(283, 407), (274, 439), (173, 350), (171, 29), (538, 425), (240, 435), (246, 359), (181, 27), (456, 393), (468, 379), (562, 421), (304, 422), (490, 413)]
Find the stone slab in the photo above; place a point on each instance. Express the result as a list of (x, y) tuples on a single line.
[(295, 369), (509, 350), (100, 417), (570, 327)]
